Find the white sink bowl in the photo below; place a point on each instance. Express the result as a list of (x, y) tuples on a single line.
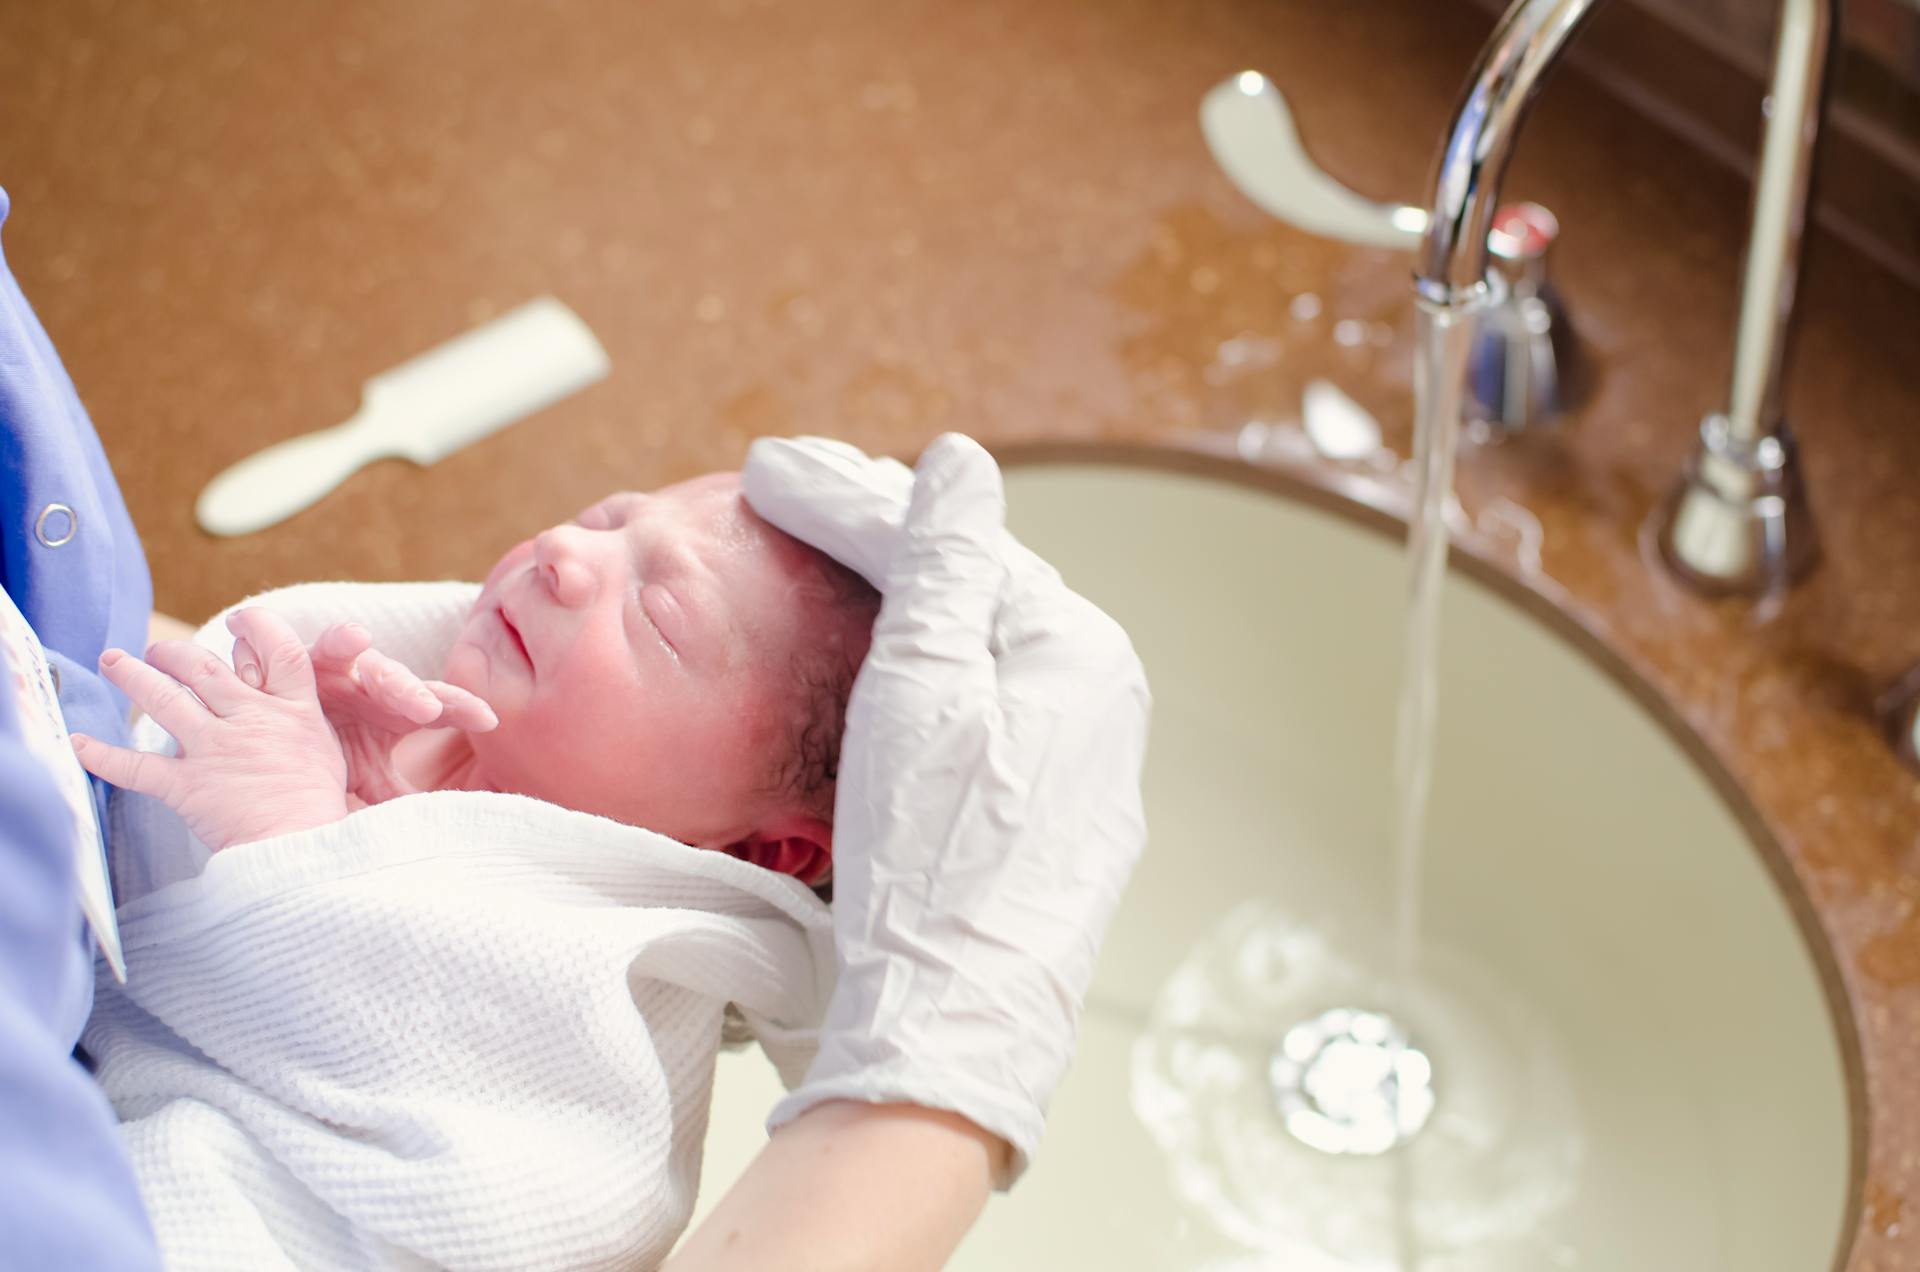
[(1637, 1063)]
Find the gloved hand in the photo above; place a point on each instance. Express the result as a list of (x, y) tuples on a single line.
[(253, 762), (988, 812), (372, 701)]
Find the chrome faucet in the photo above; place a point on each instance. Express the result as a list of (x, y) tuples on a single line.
[(1524, 369), (1738, 520)]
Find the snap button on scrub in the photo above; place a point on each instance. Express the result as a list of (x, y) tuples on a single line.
[(51, 530)]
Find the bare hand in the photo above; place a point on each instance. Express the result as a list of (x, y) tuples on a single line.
[(372, 701), (253, 763)]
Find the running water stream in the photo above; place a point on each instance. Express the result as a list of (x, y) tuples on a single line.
[(1352, 1094), (1443, 338)]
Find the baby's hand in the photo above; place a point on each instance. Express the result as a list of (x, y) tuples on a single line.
[(372, 701), (253, 763)]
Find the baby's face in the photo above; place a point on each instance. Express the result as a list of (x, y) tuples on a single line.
[(640, 660)]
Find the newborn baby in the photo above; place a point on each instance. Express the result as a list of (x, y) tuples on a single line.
[(467, 1028), (667, 660)]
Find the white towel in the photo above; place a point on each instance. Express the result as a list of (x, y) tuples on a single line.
[(458, 1030)]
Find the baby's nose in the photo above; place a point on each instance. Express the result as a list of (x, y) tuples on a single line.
[(562, 567)]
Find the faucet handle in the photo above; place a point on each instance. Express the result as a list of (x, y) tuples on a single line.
[(1523, 234), (1525, 369), (1250, 131)]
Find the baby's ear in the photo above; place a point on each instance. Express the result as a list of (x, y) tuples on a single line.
[(797, 846)]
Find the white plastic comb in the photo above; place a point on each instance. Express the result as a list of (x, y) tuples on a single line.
[(423, 410)]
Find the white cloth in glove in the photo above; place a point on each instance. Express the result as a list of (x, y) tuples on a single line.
[(989, 805)]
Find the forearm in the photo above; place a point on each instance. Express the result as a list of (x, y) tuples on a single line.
[(849, 1187)]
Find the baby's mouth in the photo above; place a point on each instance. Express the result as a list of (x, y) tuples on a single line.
[(518, 643)]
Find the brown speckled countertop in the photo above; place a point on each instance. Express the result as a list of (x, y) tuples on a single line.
[(881, 221)]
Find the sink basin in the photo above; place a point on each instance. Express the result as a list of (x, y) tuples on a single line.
[(1636, 1060)]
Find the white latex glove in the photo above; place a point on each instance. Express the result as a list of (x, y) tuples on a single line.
[(989, 810)]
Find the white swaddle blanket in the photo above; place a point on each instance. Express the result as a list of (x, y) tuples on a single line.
[(459, 1029)]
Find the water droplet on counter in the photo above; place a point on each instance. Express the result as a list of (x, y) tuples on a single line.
[(1305, 307), (1167, 247), (1349, 333), (1339, 426), (804, 314), (1247, 349), (1503, 519)]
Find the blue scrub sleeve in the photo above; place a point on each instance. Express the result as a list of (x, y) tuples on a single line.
[(67, 1193)]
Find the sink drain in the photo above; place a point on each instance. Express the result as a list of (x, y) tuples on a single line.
[(1348, 1082)]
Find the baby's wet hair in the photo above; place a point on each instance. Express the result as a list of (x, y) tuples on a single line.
[(809, 764)]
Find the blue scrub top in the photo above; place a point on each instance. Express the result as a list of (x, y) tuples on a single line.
[(71, 562)]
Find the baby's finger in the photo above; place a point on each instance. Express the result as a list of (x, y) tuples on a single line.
[(288, 670), (340, 645), (159, 695), (142, 771), (460, 709), (393, 686), (202, 671)]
